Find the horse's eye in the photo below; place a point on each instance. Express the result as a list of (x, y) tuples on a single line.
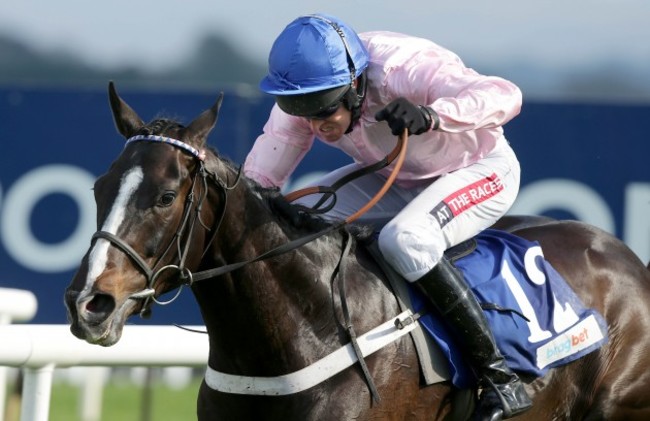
[(167, 198)]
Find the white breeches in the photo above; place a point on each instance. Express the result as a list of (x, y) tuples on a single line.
[(418, 224)]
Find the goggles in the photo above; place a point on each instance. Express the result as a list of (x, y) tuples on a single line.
[(326, 113), (318, 105)]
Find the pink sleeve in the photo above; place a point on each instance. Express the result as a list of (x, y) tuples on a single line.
[(463, 99), (279, 149), (472, 101)]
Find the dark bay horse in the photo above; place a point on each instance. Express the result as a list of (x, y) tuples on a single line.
[(169, 210)]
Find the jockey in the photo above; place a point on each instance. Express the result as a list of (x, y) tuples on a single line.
[(356, 92)]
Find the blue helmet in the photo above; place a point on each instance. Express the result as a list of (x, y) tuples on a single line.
[(313, 63)]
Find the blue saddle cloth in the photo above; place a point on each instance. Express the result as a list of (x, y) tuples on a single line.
[(507, 272)]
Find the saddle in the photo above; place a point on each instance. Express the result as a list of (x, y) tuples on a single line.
[(536, 318)]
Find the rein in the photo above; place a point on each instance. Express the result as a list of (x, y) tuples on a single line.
[(330, 191), (400, 150)]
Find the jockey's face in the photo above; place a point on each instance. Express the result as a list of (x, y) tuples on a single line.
[(331, 128)]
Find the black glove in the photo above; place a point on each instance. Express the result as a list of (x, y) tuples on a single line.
[(402, 114)]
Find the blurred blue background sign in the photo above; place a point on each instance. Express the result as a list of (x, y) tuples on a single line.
[(587, 162)]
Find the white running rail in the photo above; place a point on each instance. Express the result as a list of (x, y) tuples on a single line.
[(16, 305), (41, 348)]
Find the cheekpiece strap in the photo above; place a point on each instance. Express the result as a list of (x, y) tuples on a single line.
[(182, 145)]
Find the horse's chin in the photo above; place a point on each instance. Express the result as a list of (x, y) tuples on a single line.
[(109, 337)]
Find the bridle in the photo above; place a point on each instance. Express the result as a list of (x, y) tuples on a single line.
[(188, 221)]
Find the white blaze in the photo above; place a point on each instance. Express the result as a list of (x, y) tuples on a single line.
[(99, 253)]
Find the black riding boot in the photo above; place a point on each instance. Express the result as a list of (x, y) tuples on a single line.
[(503, 393)]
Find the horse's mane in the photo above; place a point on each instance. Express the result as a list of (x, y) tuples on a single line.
[(296, 215), (159, 125), (300, 218)]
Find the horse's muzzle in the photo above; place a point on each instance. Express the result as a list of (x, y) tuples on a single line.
[(91, 315)]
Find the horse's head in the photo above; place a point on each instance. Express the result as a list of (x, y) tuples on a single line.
[(148, 219)]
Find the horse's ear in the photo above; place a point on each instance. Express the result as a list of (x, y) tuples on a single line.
[(197, 131), (126, 120)]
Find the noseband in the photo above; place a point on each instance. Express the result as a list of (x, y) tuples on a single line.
[(185, 228)]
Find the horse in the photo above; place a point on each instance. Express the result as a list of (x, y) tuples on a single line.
[(281, 289)]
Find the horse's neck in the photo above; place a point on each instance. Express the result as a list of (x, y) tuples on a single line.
[(267, 313)]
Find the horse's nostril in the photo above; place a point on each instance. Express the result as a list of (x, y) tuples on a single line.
[(101, 304)]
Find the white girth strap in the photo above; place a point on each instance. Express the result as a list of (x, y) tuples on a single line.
[(316, 373)]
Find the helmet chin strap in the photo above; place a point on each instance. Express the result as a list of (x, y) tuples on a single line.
[(354, 98)]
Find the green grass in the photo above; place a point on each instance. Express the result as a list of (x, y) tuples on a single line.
[(123, 401)]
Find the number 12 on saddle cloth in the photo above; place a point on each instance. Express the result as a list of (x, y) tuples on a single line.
[(537, 319)]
